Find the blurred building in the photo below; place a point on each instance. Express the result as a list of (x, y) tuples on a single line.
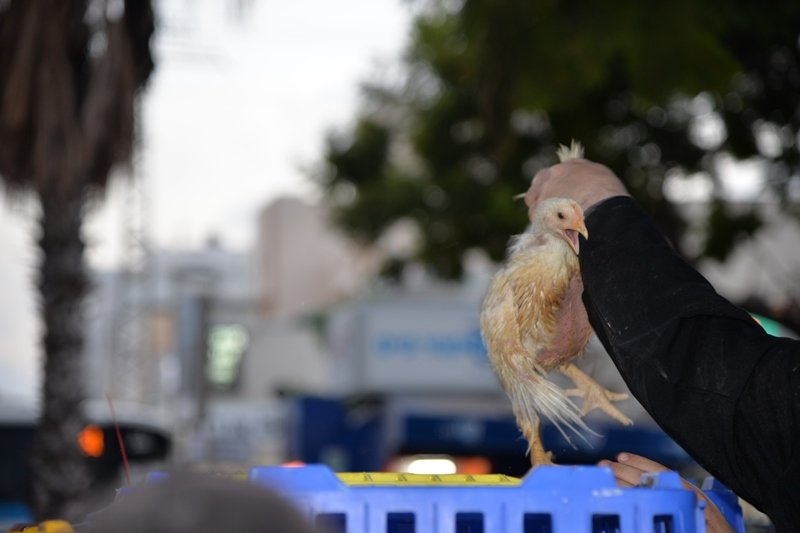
[(305, 265), (212, 338)]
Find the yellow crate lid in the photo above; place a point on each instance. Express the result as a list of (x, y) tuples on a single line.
[(372, 479)]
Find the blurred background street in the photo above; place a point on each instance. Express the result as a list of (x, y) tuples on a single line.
[(290, 264)]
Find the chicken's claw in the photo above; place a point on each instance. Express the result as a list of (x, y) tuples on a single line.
[(594, 395)]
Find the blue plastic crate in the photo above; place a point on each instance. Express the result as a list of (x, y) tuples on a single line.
[(726, 501), (548, 500)]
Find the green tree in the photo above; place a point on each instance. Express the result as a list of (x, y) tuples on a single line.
[(69, 75), (490, 88)]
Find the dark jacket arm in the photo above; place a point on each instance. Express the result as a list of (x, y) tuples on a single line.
[(702, 367)]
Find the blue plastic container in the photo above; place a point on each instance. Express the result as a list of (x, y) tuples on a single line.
[(556, 499)]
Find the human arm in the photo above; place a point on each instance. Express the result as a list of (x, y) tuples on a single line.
[(707, 373)]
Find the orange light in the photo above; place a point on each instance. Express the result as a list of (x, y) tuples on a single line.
[(293, 464), (91, 441), (474, 465)]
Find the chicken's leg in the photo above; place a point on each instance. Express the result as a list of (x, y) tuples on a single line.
[(538, 455), (594, 395)]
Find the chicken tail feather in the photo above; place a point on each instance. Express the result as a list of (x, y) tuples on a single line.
[(532, 398)]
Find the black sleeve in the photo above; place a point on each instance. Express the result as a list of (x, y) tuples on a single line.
[(720, 386)]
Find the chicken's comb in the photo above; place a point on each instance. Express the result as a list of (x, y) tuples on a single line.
[(575, 151)]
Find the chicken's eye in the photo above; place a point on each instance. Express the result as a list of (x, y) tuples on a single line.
[(561, 215)]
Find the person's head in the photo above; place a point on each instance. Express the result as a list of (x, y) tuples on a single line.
[(193, 503)]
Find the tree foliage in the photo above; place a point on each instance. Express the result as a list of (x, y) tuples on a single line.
[(654, 90)]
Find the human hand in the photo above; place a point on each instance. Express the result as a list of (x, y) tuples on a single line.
[(629, 468), (580, 179)]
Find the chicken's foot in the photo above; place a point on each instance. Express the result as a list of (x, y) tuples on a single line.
[(594, 395)]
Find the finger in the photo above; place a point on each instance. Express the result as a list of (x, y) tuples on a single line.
[(648, 465), (626, 475), (621, 483), (642, 463)]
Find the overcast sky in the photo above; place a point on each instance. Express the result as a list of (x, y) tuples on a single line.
[(240, 101)]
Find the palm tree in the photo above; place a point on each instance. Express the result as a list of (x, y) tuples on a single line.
[(70, 71)]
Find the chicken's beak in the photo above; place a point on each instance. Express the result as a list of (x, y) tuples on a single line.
[(582, 229), (571, 234)]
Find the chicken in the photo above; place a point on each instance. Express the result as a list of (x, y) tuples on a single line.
[(533, 322)]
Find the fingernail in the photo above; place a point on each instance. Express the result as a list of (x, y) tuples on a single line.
[(623, 457)]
